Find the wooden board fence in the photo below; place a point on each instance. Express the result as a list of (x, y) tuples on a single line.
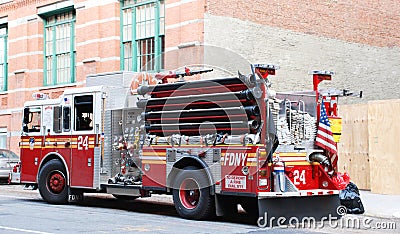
[(370, 145), (353, 146), (384, 146)]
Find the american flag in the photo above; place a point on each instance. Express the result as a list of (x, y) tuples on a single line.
[(324, 137)]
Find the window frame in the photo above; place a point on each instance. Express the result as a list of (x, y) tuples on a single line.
[(27, 125), (54, 53), (84, 104), (158, 37), (66, 122), (3, 138), (5, 57), (57, 119)]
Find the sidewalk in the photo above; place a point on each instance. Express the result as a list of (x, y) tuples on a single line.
[(379, 205)]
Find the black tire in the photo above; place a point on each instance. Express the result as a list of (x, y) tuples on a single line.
[(191, 194), (53, 182), (124, 197)]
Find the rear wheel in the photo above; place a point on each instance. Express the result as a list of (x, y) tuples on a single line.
[(53, 182), (191, 194)]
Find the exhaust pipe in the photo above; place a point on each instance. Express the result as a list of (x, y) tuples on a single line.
[(320, 158), (323, 160)]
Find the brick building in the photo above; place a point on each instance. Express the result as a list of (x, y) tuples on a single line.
[(46, 45)]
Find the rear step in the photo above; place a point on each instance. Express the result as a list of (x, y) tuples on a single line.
[(298, 210), (125, 190), (30, 186)]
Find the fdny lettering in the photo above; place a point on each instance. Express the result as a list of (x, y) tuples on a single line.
[(235, 159), (75, 197)]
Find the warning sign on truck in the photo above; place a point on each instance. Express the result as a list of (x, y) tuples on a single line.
[(235, 182)]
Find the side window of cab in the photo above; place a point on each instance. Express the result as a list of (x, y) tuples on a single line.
[(32, 121), (83, 113)]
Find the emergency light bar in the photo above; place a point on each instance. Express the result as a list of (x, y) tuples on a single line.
[(265, 69), (39, 96), (322, 75), (323, 72)]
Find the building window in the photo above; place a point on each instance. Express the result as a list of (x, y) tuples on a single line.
[(59, 49), (142, 35), (3, 59), (3, 138)]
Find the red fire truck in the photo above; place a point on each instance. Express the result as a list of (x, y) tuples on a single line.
[(210, 143)]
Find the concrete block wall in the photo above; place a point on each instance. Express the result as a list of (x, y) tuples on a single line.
[(361, 21), (372, 69), (356, 39)]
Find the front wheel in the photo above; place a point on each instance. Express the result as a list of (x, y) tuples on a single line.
[(191, 194), (53, 182)]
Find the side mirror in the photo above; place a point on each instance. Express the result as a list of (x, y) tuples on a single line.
[(26, 116), (25, 128)]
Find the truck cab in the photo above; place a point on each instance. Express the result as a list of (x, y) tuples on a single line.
[(58, 129)]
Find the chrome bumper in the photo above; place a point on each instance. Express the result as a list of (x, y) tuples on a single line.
[(14, 178)]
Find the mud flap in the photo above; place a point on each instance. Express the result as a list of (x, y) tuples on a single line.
[(74, 195), (292, 210), (225, 205)]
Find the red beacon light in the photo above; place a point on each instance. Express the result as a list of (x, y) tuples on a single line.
[(265, 69), (39, 96), (319, 76)]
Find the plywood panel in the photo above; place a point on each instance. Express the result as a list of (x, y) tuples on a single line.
[(384, 146), (353, 146)]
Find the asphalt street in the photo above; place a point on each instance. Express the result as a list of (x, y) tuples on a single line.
[(23, 211)]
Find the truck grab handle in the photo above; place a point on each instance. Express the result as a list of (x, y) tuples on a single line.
[(164, 76)]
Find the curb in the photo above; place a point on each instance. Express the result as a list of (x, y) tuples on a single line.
[(382, 216)]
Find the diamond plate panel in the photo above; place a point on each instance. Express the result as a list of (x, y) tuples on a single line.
[(209, 158)]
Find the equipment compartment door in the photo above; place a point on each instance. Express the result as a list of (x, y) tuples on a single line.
[(238, 169)]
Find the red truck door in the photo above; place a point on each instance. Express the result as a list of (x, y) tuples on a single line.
[(31, 143), (82, 144)]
